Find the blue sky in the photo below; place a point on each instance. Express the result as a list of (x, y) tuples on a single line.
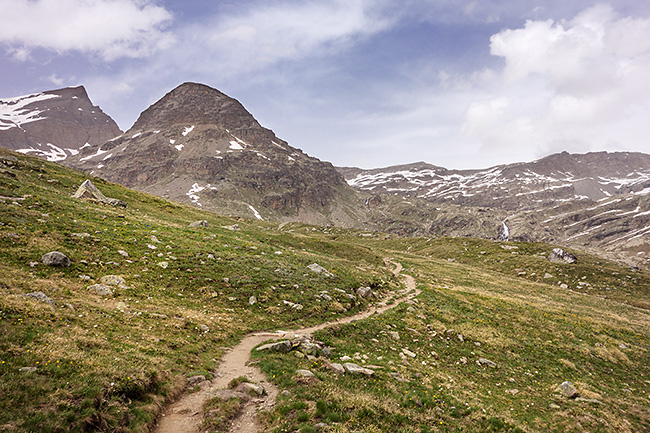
[(369, 83)]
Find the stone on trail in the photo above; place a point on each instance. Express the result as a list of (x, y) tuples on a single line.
[(55, 258), (280, 346), (251, 388), (567, 389), (195, 380)]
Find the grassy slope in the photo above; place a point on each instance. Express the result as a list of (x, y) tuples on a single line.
[(109, 363)]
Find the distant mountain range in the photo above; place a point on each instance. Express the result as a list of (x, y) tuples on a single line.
[(199, 146)]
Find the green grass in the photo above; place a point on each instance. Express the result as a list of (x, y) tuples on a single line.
[(111, 363)]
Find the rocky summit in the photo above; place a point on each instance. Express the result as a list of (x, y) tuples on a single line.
[(54, 124), (199, 146)]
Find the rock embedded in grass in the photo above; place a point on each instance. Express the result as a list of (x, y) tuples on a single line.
[(101, 289), (55, 258), (40, 296), (486, 363), (567, 389), (202, 223)]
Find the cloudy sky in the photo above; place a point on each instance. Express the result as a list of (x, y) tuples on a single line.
[(369, 83)]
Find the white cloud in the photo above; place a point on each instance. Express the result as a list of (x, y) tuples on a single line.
[(108, 28), (577, 85)]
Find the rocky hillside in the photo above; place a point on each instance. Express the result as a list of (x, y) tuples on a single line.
[(596, 201), (55, 124), (198, 146)]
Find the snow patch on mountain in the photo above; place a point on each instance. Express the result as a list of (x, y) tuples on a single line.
[(13, 113)]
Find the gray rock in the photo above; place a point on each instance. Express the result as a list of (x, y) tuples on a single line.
[(558, 255), (202, 223), (588, 400), (27, 369), (398, 376), (280, 346), (394, 335), (554, 406), (163, 265), (567, 389), (251, 388), (252, 300), (55, 258), (195, 380), (101, 289), (40, 296), (326, 297), (364, 292), (486, 363), (408, 353), (335, 367), (305, 373), (321, 426), (357, 369), (113, 280), (315, 267), (123, 253), (90, 192)]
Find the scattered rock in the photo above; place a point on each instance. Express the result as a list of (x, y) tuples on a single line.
[(558, 255), (547, 276), (101, 289), (202, 223), (623, 346), (90, 192), (486, 363), (84, 277), (335, 367), (364, 292), (394, 335), (588, 400), (315, 267), (280, 346), (463, 360), (305, 373), (564, 286), (252, 300), (408, 353), (321, 426), (27, 369), (567, 390), (292, 305), (285, 393), (40, 296), (163, 264), (512, 391), (123, 253), (33, 264), (357, 369), (234, 227), (554, 406), (55, 258), (398, 376), (251, 388), (195, 380), (113, 280)]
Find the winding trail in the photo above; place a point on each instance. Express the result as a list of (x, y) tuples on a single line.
[(186, 414)]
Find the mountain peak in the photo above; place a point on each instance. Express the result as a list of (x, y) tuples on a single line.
[(195, 104)]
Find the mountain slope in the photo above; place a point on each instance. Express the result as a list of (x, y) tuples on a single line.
[(597, 201), (197, 145), (54, 124), (75, 360)]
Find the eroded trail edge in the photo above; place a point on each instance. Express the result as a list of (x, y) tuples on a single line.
[(186, 414)]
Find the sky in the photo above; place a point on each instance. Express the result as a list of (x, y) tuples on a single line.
[(367, 83)]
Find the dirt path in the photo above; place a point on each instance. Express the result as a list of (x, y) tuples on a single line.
[(186, 414)]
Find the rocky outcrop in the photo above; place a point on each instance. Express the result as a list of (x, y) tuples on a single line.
[(55, 124), (199, 146)]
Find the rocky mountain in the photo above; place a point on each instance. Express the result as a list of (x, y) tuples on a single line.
[(596, 201), (55, 124), (199, 146)]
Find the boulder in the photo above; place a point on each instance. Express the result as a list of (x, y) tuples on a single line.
[(55, 258), (90, 192), (335, 367), (558, 255)]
